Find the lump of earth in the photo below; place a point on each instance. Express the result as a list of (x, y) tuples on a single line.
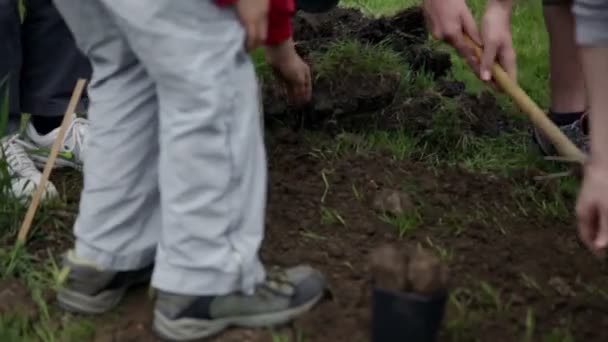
[(408, 270), (15, 298), (393, 202), (389, 268), (426, 274)]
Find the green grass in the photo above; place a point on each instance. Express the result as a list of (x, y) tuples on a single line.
[(529, 39), (350, 57)]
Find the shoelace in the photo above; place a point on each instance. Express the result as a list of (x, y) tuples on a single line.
[(17, 158), (75, 138)]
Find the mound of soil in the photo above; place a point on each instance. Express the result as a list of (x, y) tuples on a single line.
[(405, 32), (361, 102)]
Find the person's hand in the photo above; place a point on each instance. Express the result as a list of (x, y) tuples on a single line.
[(253, 15), (291, 70), (592, 209), (497, 40), (449, 20)]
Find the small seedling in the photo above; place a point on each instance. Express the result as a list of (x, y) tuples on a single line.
[(530, 325), (312, 235), (444, 254), (331, 216), (492, 297), (530, 282), (405, 222), (287, 337), (357, 193)]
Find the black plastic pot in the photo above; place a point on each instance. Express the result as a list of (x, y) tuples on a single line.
[(406, 317), (316, 6)]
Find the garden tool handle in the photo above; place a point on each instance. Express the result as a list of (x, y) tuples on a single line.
[(539, 119)]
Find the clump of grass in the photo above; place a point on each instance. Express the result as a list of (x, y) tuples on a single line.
[(350, 57), (263, 69), (379, 7), (550, 205), (405, 222)]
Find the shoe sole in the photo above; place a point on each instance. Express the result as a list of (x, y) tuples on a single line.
[(93, 305), (189, 329)]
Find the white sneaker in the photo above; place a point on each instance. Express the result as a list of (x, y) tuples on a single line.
[(72, 151), (24, 176)]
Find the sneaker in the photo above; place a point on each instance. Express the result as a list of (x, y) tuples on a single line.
[(23, 174), (90, 290), (576, 132), (282, 297), (72, 151)]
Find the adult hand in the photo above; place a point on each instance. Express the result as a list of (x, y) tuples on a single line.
[(497, 40), (449, 20), (592, 209), (253, 15), (291, 70)]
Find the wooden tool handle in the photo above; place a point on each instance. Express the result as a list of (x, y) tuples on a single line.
[(67, 118), (539, 119)]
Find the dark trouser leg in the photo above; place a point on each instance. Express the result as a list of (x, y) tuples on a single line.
[(10, 62), (51, 63)]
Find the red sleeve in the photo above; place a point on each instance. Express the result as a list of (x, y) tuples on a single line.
[(225, 2), (279, 19)]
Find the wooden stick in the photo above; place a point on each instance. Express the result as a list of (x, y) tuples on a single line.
[(561, 142), (67, 118)]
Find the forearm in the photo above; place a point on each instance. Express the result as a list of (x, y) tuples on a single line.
[(595, 66)]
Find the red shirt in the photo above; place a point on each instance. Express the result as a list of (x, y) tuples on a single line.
[(279, 19)]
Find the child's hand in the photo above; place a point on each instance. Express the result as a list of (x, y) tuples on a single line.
[(292, 70), (253, 15), (592, 209)]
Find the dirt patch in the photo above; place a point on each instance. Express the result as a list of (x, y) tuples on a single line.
[(505, 263), (499, 248)]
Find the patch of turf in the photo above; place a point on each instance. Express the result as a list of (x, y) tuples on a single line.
[(348, 57)]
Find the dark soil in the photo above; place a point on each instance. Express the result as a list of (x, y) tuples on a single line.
[(498, 247), (532, 260), (365, 101)]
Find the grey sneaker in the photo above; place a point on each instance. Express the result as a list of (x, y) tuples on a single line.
[(575, 132), (89, 290), (283, 296)]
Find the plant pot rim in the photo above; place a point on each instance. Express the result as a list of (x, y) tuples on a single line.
[(415, 296)]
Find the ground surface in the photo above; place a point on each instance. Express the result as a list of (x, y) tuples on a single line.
[(386, 118)]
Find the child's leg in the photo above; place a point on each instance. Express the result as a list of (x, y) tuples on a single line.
[(119, 222), (51, 65), (212, 173), (592, 37), (212, 160), (566, 79), (567, 87)]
